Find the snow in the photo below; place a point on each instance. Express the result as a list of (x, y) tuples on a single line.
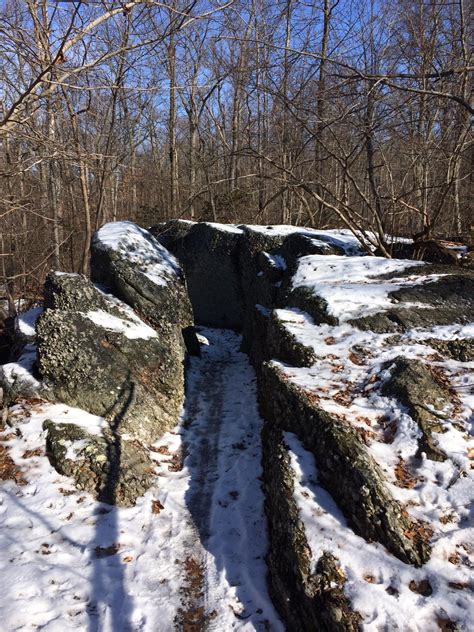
[(443, 332), (26, 321), (352, 366), (22, 369), (139, 247), (370, 570), (347, 283), (132, 329), (226, 228), (69, 562), (277, 260), (341, 238)]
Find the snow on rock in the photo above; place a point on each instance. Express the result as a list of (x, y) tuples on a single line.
[(140, 248), (95, 353), (389, 594), (26, 322), (132, 329), (347, 284), (227, 228), (342, 238), (346, 380), (17, 378)]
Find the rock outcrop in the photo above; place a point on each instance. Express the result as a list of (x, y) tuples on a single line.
[(96, 354), (306, 600), (276, 285), (446, 300), (346, 469), (415, 386), (209, 256)]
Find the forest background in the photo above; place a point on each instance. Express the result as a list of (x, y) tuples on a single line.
[(323, 113)]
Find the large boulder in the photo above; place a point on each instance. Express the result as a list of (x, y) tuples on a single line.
[(96, 354), (130, 263)]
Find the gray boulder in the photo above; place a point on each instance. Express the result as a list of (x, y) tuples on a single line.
[(96, 354), (113, 470), (130, 263), (209, 256)]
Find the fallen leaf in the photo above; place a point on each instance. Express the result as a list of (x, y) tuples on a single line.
[(156, 506), (422, 587)]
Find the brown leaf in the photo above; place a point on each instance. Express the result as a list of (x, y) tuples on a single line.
[(156, 506), (422, 587), (403, 476), (30, 453), (446, 625), (8, 469), (355, 359), (162, 449)]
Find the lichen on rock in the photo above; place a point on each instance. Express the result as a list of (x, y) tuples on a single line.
[(119, 368), (347, 471), (114, 470), (305, 600)]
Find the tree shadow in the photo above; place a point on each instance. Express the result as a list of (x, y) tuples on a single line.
[(109, 599), (221, 437)]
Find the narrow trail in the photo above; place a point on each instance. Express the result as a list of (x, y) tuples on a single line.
[(221, 440), (189, 556)]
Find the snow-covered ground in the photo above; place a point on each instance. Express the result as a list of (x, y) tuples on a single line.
[(389, 594), (192, 549)]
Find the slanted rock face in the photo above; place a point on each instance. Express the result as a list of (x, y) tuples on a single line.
[(113, 470), (95, 353), (284, 346), (306, 600), (133, 265)]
